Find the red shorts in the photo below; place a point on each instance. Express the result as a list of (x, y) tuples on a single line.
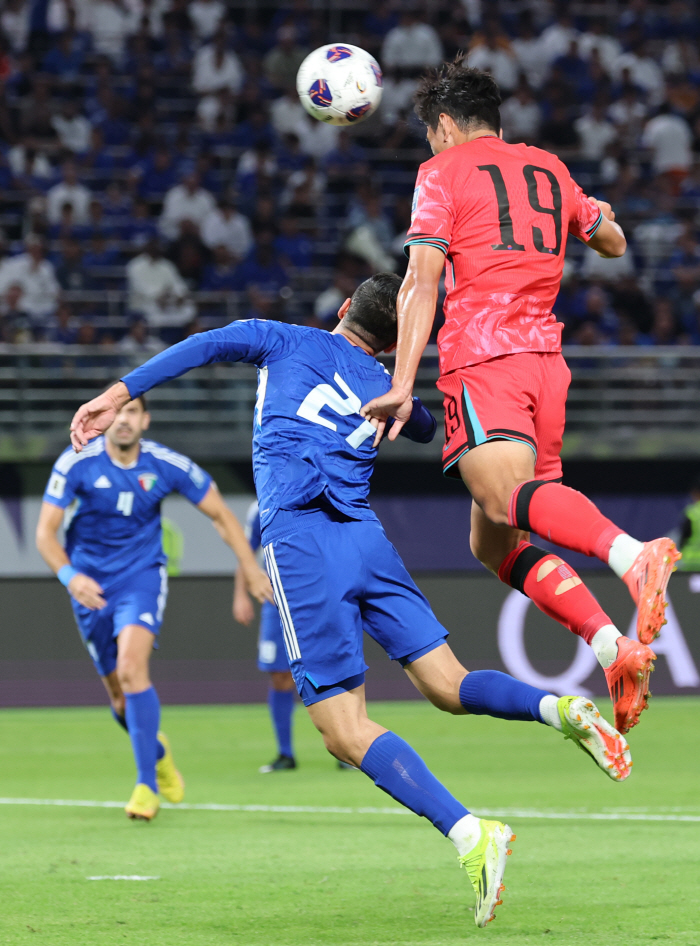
[(519, 397)]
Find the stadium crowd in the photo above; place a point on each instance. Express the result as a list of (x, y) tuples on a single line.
[(159, 176)]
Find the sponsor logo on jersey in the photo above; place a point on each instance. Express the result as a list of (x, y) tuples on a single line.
[(320, 94), (102, 482), (147, 617), (147, 481), (358, 111), (336, 53)]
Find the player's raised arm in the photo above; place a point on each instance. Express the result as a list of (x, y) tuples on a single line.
[(248, 341), (231, 531), (415, 309), (608, 240)]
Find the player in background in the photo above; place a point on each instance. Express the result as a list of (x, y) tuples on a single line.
[(108, 498), (272, 658), (334, 571), (497, 217)]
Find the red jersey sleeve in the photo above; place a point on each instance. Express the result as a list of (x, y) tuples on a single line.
[(586, 218), (432, 217)]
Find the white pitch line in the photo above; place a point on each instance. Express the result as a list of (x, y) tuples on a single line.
[(122, 877), (534, 813)]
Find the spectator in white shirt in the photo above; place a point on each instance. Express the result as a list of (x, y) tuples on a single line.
[(72, 128), (156, 290), (110, 24), (527, 50), (318, 139), (186, 201), (139, 343), (494, 58), (521, 116), (412, 44), (225, 226), (644, 72), (556, 39), (670, 139), (69, 191), (206, 16), (287, 114), (14, 21), (36, 276), (607, 46), (216, 67), (595, 133)]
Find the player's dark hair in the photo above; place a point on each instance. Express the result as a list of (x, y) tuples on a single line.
[(372, 312), (470, 97)]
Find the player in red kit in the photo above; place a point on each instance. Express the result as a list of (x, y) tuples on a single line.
[(497, 216)]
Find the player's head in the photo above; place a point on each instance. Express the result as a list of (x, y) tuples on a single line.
[(129, 424), (370, 313), (455, 100)]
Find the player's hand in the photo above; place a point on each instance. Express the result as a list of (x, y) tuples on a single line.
[(396, 403), (258, 585), (243, 610), (87, 592), (93, 418), (604, 208)]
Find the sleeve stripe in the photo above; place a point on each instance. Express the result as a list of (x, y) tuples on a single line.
[(439, 244), (591, 230)]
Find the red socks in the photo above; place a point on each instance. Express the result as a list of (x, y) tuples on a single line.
[(555, 588), (563, 516)]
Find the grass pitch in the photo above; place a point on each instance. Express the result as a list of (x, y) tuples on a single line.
[(270, 878)]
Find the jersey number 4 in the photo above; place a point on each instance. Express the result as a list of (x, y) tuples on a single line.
[(506, 221), (125, 503), (323, 395)]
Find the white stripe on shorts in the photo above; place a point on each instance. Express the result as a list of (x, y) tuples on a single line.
[(290, 635)]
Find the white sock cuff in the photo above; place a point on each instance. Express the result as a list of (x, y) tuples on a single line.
[(465, 834), (623, 552), (549, 711)]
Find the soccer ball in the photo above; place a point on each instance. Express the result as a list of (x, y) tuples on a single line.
[(340, 84)]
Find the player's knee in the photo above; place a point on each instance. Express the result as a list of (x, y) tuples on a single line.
[(132, 675)]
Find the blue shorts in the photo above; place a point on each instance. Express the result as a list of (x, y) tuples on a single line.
[(271, 654), (333, 577), (139, 601)]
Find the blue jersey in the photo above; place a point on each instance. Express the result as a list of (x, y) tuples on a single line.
[(253, 529), (309, 438), (113, 526)]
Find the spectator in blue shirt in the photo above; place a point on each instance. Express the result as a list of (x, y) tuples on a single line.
[(294, 248), (220, 275), (140, 227), (66, 58), (159, 174), (262, 268)]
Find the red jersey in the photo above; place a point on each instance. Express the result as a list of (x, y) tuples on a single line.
[(501, 214)]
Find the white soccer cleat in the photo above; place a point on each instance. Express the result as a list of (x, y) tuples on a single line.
[(583, 724)]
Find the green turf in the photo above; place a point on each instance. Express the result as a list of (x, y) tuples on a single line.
[(271, 879)]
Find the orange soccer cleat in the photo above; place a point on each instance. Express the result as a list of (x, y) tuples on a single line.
[(647, 579), (628, 682)]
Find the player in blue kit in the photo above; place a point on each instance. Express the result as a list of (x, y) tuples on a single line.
[(334, 572), (108, 499), (272, 657)]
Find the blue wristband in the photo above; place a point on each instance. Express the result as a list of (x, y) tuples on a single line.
[(66, 574)]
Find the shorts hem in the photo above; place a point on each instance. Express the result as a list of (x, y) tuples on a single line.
[(310, 693), (453, 461), (414, 655)]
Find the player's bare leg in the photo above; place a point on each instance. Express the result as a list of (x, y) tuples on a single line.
[(442, 679), (155, 767), (500, 477), (398, 770)]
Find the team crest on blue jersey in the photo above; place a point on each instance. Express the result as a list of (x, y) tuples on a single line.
[(358, 111), (147, 481), (336, 53), (320, 94)]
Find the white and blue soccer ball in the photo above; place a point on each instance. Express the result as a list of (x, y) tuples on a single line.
[(340, 84)]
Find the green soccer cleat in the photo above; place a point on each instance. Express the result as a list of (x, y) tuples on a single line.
[(582, 722), (485, 865), (171, 784)]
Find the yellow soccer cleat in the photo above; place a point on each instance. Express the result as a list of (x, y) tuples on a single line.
[(171, 784), (485, 865), (143, 804)]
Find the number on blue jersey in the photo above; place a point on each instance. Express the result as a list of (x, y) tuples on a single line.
[(323, 395), (125, 503)]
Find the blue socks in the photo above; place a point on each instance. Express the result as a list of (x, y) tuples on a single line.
[(492, 693), (121, 721), (281, 704), (142, 719), (399, 771)]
